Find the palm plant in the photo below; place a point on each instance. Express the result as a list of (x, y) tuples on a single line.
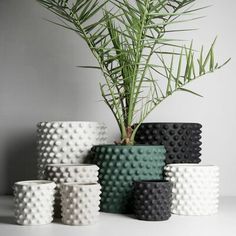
[(141, 62)]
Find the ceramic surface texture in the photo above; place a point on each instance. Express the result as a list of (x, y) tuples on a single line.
[(152, 200), (80, 203), (195, 188), (34, 202), (67, 142), (181, 140), (119, 166)]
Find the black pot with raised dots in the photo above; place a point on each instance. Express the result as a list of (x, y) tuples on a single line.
[(181, 140), (152, 200)]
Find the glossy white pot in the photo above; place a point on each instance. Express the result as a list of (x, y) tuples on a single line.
[(80, 203), (67, 142), (195, 188), (34, 202)]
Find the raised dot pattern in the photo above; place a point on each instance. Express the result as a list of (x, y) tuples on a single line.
[(152, 200), (80, 204), (67, 142), (181, 140), (34, 204), (119, 166), (195, 189)]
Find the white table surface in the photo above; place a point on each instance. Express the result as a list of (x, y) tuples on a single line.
[(224, 223)]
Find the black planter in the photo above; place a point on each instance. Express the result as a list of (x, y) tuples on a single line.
[(181, 140), (152, 200)]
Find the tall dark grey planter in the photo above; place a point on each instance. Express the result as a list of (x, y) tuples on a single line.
[(152, 200), (181, 140)]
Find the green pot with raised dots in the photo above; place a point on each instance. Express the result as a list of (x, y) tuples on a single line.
[(119, 166)]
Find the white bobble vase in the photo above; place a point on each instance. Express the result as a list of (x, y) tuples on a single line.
[(80, 203), (67, 142), (195, 188), (33, 202)]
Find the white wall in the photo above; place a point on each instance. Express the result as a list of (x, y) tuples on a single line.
[(39, 81)]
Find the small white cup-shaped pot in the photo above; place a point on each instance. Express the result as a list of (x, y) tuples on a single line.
[(67, 142), (195, 188), (80, 203), (34, 202)]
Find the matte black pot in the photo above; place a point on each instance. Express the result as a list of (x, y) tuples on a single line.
[(181, 140), (152, 200)]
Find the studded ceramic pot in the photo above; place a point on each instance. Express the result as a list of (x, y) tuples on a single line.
[(181, 140), (152, 200), (69, 173), (80, 203), (67, 142), (195, 188), (33, 202), (119, 166)]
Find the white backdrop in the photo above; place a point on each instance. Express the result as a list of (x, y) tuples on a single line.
[(39, 81)]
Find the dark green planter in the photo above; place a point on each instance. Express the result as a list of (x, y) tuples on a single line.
[(120, 166)]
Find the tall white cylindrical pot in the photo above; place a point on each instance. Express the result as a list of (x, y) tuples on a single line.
[(67, 142), (195, 188), (80, 203), (33, 201)]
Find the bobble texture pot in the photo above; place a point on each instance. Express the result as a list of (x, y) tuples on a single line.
[(80, 203), (195, 188), (119, 166), (152, 200), (64, 173), (34, 202), (67, 142), (181, 140)]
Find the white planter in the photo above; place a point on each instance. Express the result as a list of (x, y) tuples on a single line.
[(80, 203), (70, 173), (67, 142), (34, 202), (195, 188)]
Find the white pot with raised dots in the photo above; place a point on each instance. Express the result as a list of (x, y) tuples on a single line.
[(80, 203), (67, 142), (34, 201), (195, 188)]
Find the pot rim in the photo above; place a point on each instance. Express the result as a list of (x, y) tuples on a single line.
[(34, 183), (123, 145), (71, 165), (78, 184), (61, 121), (171, 123), (190, 165)]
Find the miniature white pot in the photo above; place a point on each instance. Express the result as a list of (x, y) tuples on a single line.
[(195, 188), (80, 203), (34, 202), (67, 142)]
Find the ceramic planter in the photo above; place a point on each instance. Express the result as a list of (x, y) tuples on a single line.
[(195, 188), (64, 173), (34, 202), (80, 203), (119, 166), (152, 200), (67, 142), (181, 140)]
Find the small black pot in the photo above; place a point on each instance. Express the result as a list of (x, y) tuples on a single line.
[(152, 200), (181, 140)]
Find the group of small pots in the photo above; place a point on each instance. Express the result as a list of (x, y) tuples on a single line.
[(152, 179)]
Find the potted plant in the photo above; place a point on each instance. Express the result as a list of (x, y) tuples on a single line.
[(142, 65)]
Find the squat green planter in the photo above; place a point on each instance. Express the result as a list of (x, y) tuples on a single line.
[(119, 166)]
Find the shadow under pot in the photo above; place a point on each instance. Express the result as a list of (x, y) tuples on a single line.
[(152, 200), (181, 140), (119, 166)]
